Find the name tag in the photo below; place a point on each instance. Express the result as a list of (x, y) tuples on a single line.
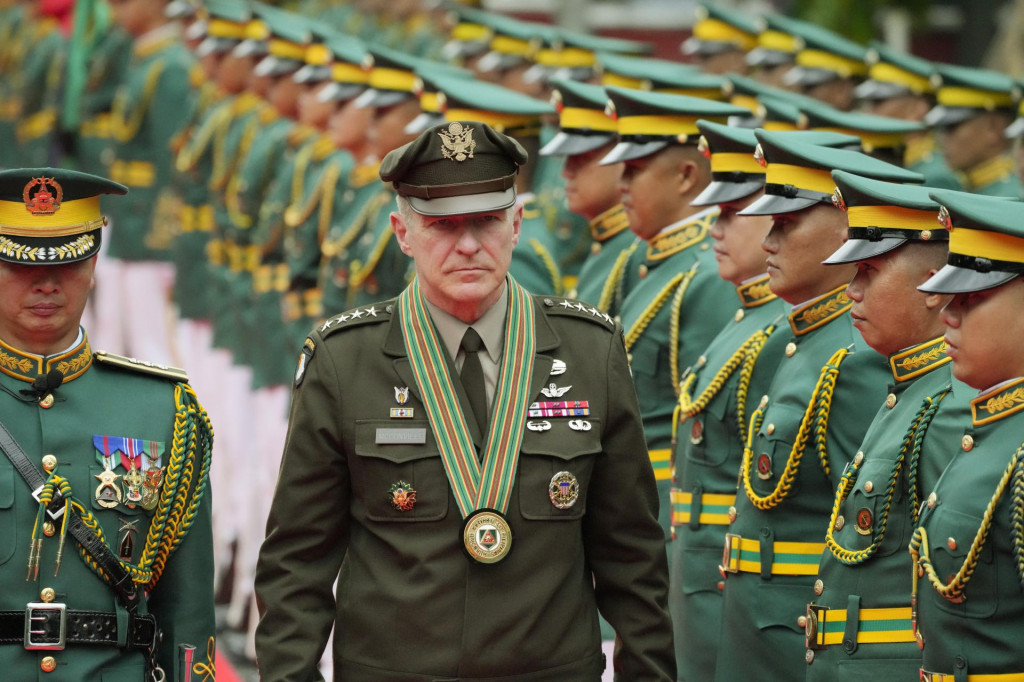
[(401, 436)]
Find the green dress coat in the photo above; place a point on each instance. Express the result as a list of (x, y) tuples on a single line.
[(600, 280), (117, 399), (865, 567), (775, 546), (534, 260), (411, 606), (995, 177)]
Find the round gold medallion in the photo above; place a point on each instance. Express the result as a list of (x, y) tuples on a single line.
[(486, 536)]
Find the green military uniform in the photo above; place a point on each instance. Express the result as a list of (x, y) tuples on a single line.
[(802, 433), (106, 66), (824, 56), (39, 76), (144, 427), (859, 622), (678, 303), (968, 543), (719, 30), (12, 48), (377, 481), (776, 48), (601, 277)]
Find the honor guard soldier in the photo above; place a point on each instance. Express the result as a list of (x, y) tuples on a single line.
[(811, 419), (882, 137), (859, 618), (39, 78), (105, 466), (710, 422), (828, 66), (657, 75), (721, 39), (776, 49), (586, 134), (901, 86), (675, 302), (967, 549), (974, 109), (420, 471)]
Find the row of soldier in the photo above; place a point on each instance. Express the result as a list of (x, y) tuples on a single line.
[(266, 200)]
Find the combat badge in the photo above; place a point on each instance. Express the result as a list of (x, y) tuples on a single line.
[(402, 496), (486, 536), (563, 490), (304, 357), (579, 425), (764, 466), (401, 395), (864, 521)]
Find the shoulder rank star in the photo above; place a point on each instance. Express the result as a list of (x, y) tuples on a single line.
[(402, 496)]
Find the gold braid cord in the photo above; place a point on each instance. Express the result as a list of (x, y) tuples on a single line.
[(611, 285), (816, 414), (912, 442), (743, 385), (549, 265), (673, 330), (128, 129), (332, 247), (651, 311), (921, 553)]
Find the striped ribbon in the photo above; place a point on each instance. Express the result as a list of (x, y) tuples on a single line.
[(472, 487)]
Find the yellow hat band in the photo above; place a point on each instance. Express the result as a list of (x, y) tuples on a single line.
[(746, 101), (897, 217), (349, 73), (318, 55), (984, 244), (507, 45), (812, 179), (384, 78), (221, 28), (471, 33), (67, 220), (971, 97), (618, 81), (578, 117), (716, 30), (735, 162), (820, 59), (569, 57), (257, 30), (779, 126), (714, 94), (658, 125), (286, 49), (871, 141), (430, 102), (495, 119), (890, 73), (777, 40)]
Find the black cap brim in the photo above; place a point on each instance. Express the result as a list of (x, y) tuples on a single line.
[(763, 56), (374, 98), (773, 204), (952, 279), (854, 250), (1015, 129), (941, 116), (628, 151), (725, 192), (569, 144)]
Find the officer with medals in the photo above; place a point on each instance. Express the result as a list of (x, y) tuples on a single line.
[(810, 420), (860, 618), (106, 564), (482, 485), (967, 548)]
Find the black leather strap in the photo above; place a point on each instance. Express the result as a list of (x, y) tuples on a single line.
[(83, 627)]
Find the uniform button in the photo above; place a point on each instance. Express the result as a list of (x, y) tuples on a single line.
[(868, 486), (848, 646), (764, 402), (739, 315), (642, 271), (705, 246), (548, 302), (49, 462), (967, 442), (721, 585), (47, 402), (840, 522), (960, 662), (701, 361), (809, 656), (732, 514), (790, 352), (933, 499), (770, 429), (49, 529), (595, 248), (802, 621), (951, 543), (890, 400), (48, 664), (819, 587), (858, 458), (47, 594)]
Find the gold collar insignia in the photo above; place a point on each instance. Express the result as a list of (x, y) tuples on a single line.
[(820, 311), (755, 292), (990, 172), (28, 366), (610, 223), (680, 238), (918, 360), (1000, 402)]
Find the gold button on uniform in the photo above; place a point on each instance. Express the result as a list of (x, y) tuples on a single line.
[(770, 429), (967, 442), (49, 529), (932, 500), (739, 315), (951, 542), (642, 271), (858, 458), (732, 514), (48, 664), (46, 403), (701, 361), (764, 402), (802, 621), (890, 400), (790, 349), (868, 486), (595, 248), (840, 522), (47, 594), (819, 587), (49, 462)]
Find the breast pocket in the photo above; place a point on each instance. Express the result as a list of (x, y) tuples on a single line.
[(9, 539), (772, 446), (711, 433), (950, 534), (554, 470), (397, 472), (864, 509)]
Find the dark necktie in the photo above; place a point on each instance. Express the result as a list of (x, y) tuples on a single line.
[(473, 377)]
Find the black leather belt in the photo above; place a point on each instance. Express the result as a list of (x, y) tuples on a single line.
[(53, 626)]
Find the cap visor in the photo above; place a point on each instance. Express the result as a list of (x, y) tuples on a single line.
[(340, 92), (569, 144), (724, 192), (878, 90), (275, 66), (422, 122), (854, 250), (176, 9), (939, 116), (497, 61), (806, 77), (772, 204), (627, 151), (465, 203), (312, 74), (250, 48), (762, 56), (538, 73), (212, 45), (695, 47), (196, 30), (381, 98), (1015, 129), (952, 279), (456, 49)]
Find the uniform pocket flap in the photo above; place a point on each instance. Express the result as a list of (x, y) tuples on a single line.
[(562, 438)]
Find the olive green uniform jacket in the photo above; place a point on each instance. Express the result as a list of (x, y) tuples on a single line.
[(865, 567), (411, 606), (708, 449), (978, 631), (96, 399), (775, 549)]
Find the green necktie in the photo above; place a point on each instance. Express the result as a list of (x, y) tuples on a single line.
[(473, 377)]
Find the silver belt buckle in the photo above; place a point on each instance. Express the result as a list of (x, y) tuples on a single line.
[(45, 626), (726, 566), (813, 625)]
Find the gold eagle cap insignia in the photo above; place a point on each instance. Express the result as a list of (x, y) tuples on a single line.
[(457, 142)]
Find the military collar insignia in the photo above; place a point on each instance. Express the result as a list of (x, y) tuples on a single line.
[(323, 147), (457, 143), (918, 360), (990, 172), (755, 292), (680, 238), (610, 223), (820, 311), (364, 174), (994, 404), (919, 149), (27, 366)]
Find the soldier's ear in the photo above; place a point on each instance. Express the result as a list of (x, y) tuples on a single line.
[(401, 230), (935, 301)]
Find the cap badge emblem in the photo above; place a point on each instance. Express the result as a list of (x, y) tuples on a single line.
[(759, 157), (944, 218), (46, 199), (837, 200), (457, 142)]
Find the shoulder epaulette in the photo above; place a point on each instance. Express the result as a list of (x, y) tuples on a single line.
[(123, 362), (554, 305), (377, 312)]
